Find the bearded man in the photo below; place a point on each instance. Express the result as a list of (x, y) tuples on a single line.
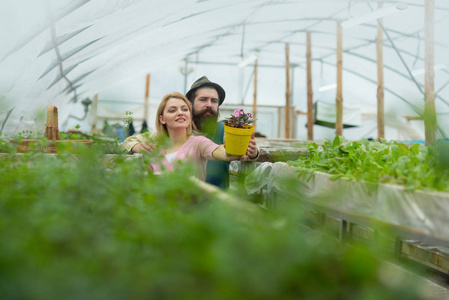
[(206, 97)]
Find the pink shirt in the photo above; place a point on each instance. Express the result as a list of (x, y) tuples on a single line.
[(197, 149)]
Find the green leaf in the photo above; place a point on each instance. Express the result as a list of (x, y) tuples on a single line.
[(311, 175), (404, 149), (335, 177), (343, 150), (313, 145), (365, 142), (336, 141), (395, 151), (294, 163), (415, 149)]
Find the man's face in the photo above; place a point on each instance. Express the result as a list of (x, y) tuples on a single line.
[(205, 109), (206, 99)]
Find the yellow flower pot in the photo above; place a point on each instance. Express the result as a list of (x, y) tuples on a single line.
[(237, 139)]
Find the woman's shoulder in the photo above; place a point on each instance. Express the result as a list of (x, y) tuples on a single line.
[(198, 138), (201, 141)]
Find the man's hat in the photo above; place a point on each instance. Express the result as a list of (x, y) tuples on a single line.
[(204, 82)]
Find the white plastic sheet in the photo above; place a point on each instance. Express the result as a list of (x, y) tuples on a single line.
[(60, 51), (426, 212)]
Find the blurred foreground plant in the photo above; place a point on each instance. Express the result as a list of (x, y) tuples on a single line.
[(73, 227)]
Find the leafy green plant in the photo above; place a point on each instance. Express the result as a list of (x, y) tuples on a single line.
[(28, 134), (84, 229), (379, 162), (5, 145), (127, 121), (74, 135), (101, 143), (25, 134), (239, 119)]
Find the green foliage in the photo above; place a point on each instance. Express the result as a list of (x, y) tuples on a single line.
[(442, 148), (379, 162), (102, 144), (25, 134), (73, 227), (5, 145), (28, 134), (77, 135), (127, 121)]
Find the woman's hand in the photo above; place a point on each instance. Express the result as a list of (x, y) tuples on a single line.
[(141, 147)]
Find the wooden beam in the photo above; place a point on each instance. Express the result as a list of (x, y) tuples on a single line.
[(380, 82), (310, 116), (147, 97), (339, 100), (412, 118), (430, 119), (255, 94), (287, 91)]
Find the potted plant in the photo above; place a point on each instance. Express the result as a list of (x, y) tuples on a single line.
[(238, 132)]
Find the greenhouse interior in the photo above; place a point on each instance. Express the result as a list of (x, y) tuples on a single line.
[(205, 149)]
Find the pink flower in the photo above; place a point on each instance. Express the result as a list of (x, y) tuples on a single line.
[(238, 113), (239, 119)]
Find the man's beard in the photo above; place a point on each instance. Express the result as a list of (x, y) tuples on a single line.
[(206, 123)]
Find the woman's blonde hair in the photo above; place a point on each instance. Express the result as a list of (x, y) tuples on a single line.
[(161, 129)]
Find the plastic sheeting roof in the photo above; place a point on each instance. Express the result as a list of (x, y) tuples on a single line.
[(61, 51)]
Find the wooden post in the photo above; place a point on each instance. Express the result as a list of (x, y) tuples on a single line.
[(93, 111), (287, 91), (339, 121), (255, 95), (52, 126), (310, 115), (147, 94), (430, 119), (380, 82)]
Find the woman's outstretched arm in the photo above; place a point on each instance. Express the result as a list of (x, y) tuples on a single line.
[(220, 154)]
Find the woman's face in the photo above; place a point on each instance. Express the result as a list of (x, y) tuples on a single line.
[(176, 114)]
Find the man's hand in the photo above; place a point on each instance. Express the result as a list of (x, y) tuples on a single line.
[(141, 147), (252, 151)]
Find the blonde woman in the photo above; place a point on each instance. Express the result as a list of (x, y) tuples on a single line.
[(174, 121)]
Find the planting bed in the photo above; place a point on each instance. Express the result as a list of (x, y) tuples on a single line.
[(409, 205)]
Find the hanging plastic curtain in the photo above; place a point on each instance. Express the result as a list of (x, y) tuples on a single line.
[(144, 127), (131, 130)]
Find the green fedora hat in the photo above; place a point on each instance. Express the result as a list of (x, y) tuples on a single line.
[(204, 82)]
